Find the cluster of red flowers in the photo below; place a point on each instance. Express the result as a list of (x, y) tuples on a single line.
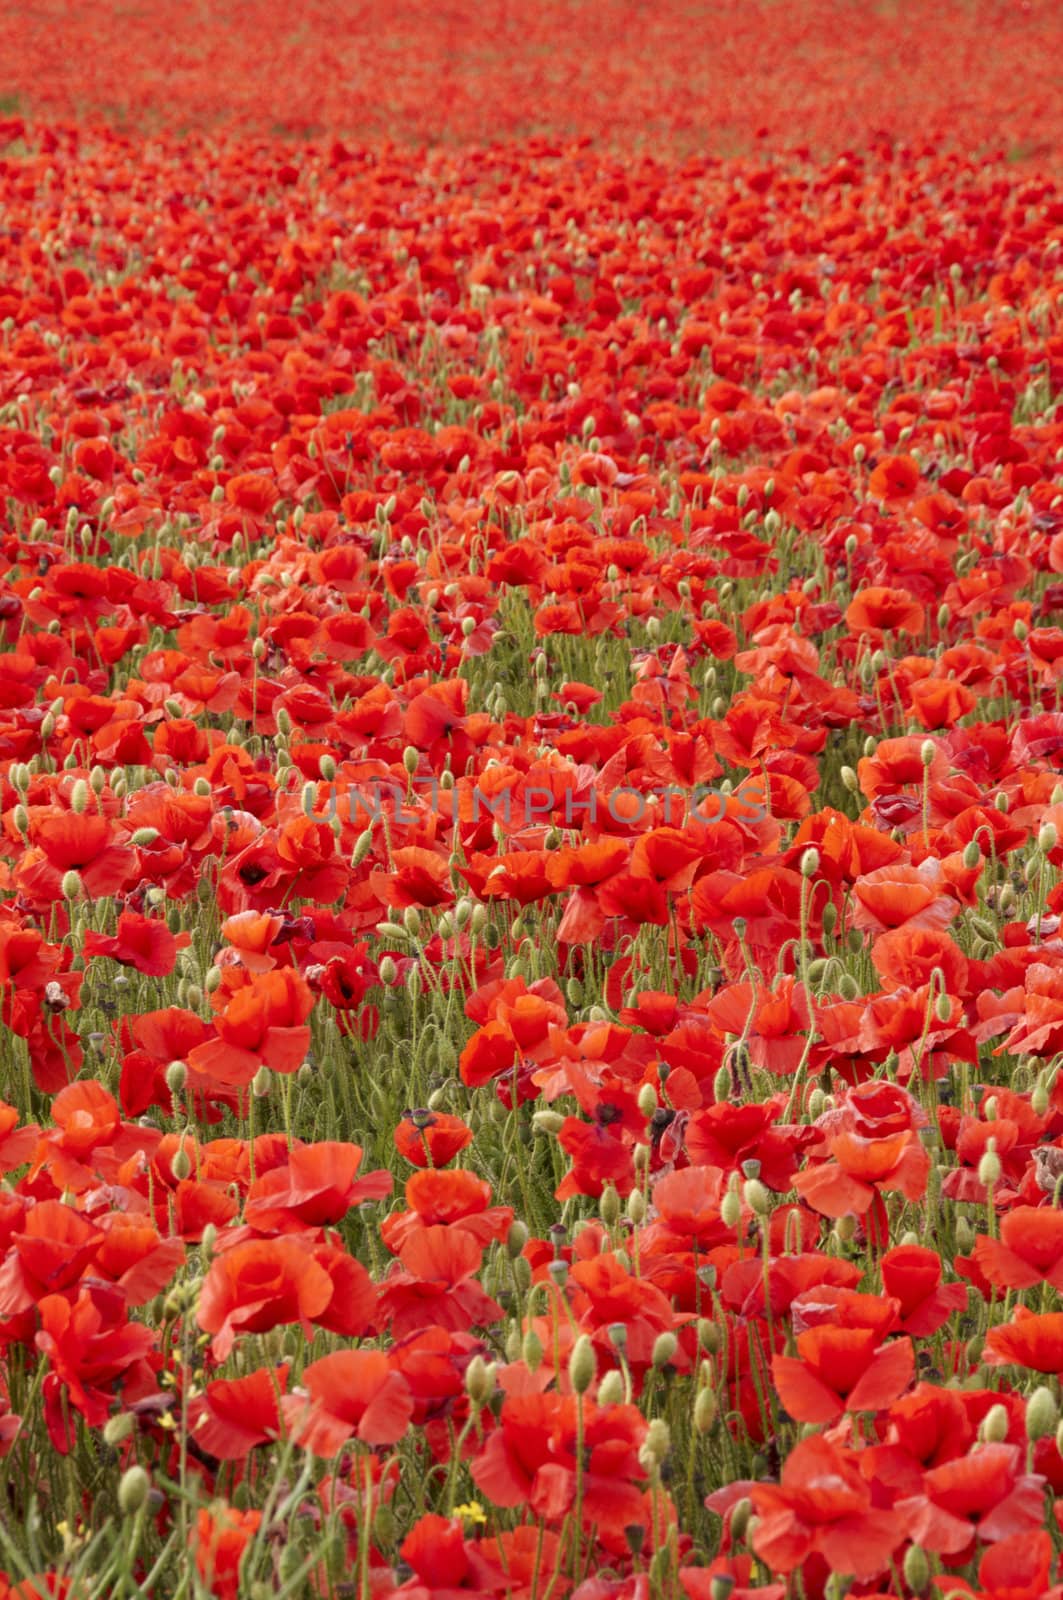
[(531, 811)]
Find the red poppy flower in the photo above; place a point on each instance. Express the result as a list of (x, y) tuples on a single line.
[(257, 1286), (353, 1394), (822, 1506), (145, 943)]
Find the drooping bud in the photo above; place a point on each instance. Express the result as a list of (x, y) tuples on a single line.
[(582, 1365), (118, 1429), (176, 1076)]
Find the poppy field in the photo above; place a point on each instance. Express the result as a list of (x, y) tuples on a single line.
[(531, 801)]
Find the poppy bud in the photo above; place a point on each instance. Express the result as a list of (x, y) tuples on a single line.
[(658, 1440), (916, 1569), (1042, 1415), (411, 921), (844, 1229), (388, 970), (260, 1083), (548, 1122), (989, 1168), (756, 1197), (1039, 1098), (181, 1165), (532, 1350), (848, 987), (1020, 630), (817, 1102), (478, 920), (79, 797), (516, 1239), (479, 1381), (582, 1365), (284, 721), (133, 1490), (706, 1409), (609, 1206), (1047, 838), (994, 1429), (176, 1076), (647, 1100), (71, 887), (640, 1158), (118, 1429), (810, 862), (731, 1210), (721, 1084), (721, 1586), (972, 856), (411, 759), (664, 1348), (943, 1008), (740, 1518), (1002, 803), (208, 1240), (21, 819), (636, 1206), (611, 1389)]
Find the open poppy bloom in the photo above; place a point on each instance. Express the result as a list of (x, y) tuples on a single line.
[(984, 1496), (845, 1364), (260, 1285), (822, 1506)]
